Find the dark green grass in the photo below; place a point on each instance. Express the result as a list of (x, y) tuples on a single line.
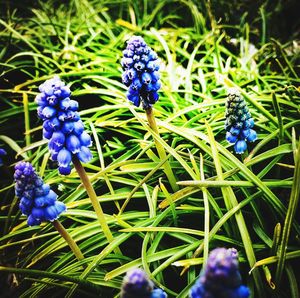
[(224, 199)]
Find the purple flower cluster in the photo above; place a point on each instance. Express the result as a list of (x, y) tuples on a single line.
[(62, 125), (2, 153), (221, 277), (140, 72), (136, 284), (238, 123), (38, 201)]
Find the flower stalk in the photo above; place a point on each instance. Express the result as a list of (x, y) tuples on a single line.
[(93, 197), (161, 150), (68, 238)]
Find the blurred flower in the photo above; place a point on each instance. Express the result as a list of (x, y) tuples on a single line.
[(238, 122), (158, 293), (140, 72), (2, 153), (220, 278), (38, 201), (62, 124), (136, 284)]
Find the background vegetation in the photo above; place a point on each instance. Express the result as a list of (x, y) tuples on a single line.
[(242, 201)]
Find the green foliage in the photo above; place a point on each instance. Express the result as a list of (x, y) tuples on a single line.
[(223, 199)]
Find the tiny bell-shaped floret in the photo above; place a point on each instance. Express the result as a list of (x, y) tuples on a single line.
[(64, 158), (240, 146), (220, 277), (62, 125), (37, 200), (140, 72), (239, 124), (158, 293)]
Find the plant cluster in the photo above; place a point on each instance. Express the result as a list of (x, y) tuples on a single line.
[(172, 170)]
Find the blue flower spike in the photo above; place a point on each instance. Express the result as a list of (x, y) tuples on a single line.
[(239, 123), (37, 200), (220, 277), (2, 153), (140, 74), (136, 284), (62, 125)]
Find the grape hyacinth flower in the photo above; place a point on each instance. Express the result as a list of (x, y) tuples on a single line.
[(140, 72), (62, 124), (38, 201), (238, 123), (136, 284), (68, 141), (2, 153), (141, 76), (221, 277)]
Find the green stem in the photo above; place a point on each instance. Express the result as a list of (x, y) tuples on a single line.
[(231, 202), (293, 203), (210, 15), (64, 233), (91, 287), (93, 197), (161, 151), (27, 121), (206, 214)]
